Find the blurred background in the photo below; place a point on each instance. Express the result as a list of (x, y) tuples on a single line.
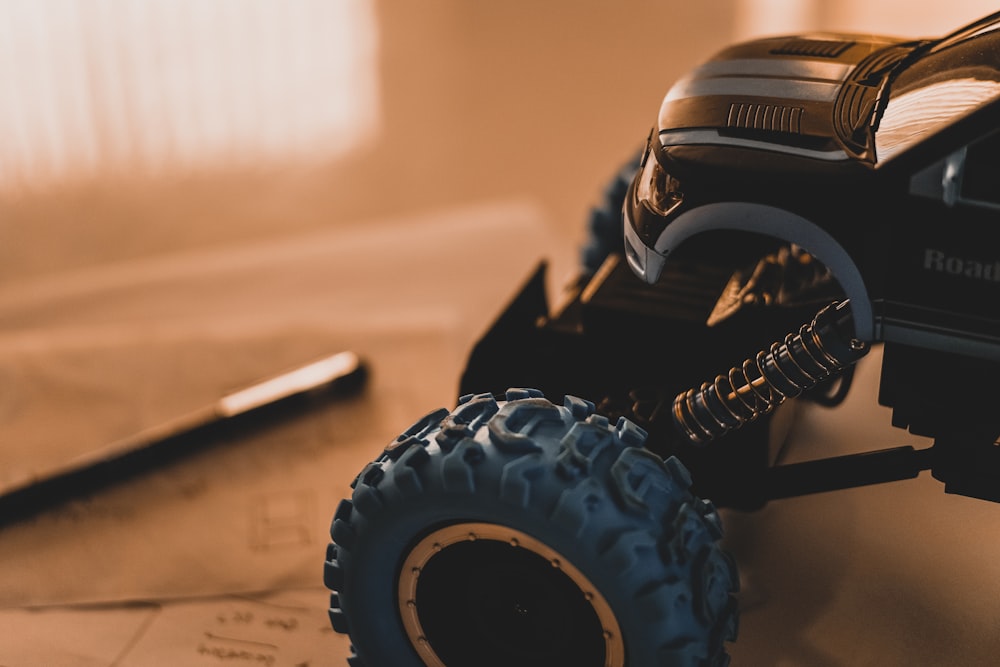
[(195, 194), (134, 127)]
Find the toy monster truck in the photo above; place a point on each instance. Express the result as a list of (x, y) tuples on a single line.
[(853, 177)]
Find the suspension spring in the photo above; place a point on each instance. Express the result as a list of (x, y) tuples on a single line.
[(820, 350)]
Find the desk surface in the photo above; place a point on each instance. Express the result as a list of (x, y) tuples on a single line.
[(217, 559)]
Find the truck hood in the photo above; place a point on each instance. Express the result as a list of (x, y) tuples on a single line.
[(787, 94)]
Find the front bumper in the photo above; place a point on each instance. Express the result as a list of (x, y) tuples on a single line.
[(645, 262)]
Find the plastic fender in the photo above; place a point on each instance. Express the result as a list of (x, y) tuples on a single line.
[(787, 226)]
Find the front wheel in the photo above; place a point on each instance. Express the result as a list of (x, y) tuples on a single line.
[(526, 533)]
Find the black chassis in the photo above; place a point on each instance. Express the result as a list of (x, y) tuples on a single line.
[(631, 348), (909, 228)]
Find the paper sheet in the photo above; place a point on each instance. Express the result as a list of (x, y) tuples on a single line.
[(96, 355), (246, 515), (285, 629), (101, 353)]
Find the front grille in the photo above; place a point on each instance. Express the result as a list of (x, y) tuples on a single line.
[(767, 117)]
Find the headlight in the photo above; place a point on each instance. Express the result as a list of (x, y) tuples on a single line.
[(656, 188), (655, 193)]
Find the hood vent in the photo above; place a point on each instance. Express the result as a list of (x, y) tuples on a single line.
[(766, 117), (813, 48)]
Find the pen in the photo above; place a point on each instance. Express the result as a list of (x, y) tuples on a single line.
[(279, 397)]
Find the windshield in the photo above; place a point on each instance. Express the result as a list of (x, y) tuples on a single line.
[(953, 78)]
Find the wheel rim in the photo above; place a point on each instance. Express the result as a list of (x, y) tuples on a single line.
[(483, 594)]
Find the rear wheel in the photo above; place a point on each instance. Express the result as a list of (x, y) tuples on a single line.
[(524, 532)]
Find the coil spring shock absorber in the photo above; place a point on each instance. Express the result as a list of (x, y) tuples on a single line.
[(820, 349)]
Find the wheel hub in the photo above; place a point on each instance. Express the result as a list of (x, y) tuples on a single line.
[(482, 594)]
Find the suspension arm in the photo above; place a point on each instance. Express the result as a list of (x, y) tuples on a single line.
[(845, 472)]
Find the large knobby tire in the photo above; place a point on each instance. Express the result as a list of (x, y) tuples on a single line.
[(526, 533)]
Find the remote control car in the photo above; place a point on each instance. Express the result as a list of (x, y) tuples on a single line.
[(799, 200)]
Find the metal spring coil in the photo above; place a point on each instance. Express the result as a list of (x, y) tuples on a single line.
[(818, 351)]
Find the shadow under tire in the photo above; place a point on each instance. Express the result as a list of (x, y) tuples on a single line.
[(525, 532)]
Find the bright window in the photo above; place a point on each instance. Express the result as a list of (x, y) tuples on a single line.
[(95, 86)]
